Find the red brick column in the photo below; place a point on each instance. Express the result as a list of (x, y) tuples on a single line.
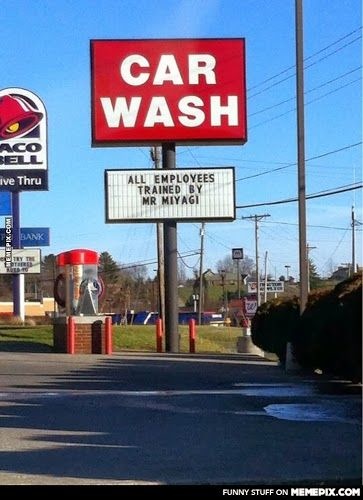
[(89, 334)]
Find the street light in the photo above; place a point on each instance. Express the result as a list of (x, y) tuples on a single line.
[(287, 272)]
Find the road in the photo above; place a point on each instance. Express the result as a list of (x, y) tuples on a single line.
[(137, 419)]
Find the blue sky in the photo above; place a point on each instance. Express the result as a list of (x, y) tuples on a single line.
[(45, 49)]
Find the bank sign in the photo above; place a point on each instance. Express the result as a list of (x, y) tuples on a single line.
[(185, 91), (179, 194), (29, 236), (23, 141)]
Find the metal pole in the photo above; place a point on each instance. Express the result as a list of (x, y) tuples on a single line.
[(353, 242), (18, 279), (171, 264), (201, 289), (301, 154), (238, 280)]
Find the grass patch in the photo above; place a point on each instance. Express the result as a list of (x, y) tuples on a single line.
[(209, 338), (134, 337), (26, 338)]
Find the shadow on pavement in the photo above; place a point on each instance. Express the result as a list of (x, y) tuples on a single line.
[(24, 346), (121, 419)]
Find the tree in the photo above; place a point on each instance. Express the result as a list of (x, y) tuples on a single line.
[(182, 275), (109, 272), (228, 264), (108, 269), (6, 286), (48, 275), (314, 278)]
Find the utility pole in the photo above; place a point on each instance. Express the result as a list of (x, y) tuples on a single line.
[(301, 154), (353, 242), (300, 125), (308, 248), (155, 154), (201, 289), (257, 219), (265, 279)]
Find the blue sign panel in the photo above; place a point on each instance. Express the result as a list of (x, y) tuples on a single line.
[(5, 203), (30, 237)]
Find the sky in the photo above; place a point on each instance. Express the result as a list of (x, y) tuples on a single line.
[(45, 48)]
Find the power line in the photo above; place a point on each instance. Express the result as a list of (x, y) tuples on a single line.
[(185, 264), (305, 67), (306, 104), (308, 197), (153, 261), (294, 163), (307, 92), (309, 225), (306, 59)]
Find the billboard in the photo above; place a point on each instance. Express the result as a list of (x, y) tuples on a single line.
[(203, 194), (22, 261), (23, 141), (184, 91)]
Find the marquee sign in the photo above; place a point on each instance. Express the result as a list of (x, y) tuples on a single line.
[(180, 194), (23, 141), (184, 91), (23, 261)]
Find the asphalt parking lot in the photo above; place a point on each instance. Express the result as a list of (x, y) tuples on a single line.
[(161, 419)]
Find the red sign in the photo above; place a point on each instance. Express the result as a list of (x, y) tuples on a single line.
[(183, 91)]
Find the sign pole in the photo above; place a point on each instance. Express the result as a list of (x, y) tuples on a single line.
[(171, 264), (18, 279)]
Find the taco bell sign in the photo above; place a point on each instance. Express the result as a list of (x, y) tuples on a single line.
[(186, 91), (23, 141)]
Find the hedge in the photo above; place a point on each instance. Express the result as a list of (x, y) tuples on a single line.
[(273, 324), (327, 336)]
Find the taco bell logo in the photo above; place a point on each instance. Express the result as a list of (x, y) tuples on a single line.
[(23, 131)]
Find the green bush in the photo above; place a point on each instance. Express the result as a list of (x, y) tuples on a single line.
[(329, 336), (273, 325), (306, 348)]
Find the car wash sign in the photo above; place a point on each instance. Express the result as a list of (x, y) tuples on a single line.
[(23, 141), (184, 91)]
